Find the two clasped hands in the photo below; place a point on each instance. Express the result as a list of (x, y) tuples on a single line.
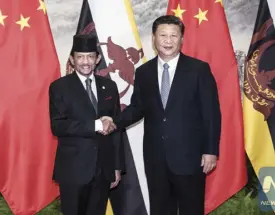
[(108, 125)]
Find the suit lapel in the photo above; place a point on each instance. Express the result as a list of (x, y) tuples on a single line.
[(100, 88), (177, 82), (80, 93), (155, 82)]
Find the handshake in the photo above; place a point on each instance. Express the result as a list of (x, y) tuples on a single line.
[(108, 125)]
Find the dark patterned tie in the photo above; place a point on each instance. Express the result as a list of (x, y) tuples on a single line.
[(90, 93), (165, 85)]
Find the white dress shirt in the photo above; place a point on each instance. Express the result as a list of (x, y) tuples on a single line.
[(172, 69), (83, 81), (82, 78)]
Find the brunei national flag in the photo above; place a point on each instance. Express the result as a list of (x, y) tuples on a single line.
[(112, 22), (259, 100)]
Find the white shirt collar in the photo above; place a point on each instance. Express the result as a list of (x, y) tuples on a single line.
[(83, 78), (172, 63)]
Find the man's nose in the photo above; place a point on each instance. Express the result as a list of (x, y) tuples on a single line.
[(85, 60), (168, 40)]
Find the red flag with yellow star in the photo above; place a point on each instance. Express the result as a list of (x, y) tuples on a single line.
[(28, 65), (207, 38)]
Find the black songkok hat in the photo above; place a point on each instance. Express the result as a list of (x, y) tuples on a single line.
[(84, 43)]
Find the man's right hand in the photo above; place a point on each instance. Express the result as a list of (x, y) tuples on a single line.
[(108, 125)]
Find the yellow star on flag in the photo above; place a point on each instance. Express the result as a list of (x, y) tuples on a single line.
[(178, 12), (23, 22), (42, 6), (219, 1), (201, 16), (2, 18)]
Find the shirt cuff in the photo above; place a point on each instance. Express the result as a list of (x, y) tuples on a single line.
[(98, 125)]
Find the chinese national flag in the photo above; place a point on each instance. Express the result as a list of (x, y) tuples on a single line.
[(28, 65), (207, 38)]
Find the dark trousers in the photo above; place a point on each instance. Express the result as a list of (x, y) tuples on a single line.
[(172, 194), (88, 199)]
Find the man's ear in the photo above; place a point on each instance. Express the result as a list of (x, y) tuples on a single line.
[(153, 40), (71, 59), (98, 58), (153, 43)]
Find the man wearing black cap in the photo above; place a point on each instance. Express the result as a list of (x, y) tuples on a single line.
[(87, 163)]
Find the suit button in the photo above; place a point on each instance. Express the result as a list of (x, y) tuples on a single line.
[(164, 119), (164, 137)]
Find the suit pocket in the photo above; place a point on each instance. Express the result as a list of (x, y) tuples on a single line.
[(68, 151)]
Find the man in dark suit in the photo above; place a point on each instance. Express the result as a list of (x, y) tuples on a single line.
[(177, 96), (87, 162)]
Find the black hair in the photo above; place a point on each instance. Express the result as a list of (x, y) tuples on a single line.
[(168, 19)]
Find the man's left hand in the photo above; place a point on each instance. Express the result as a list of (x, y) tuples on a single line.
[(118, 178), (208, 162)]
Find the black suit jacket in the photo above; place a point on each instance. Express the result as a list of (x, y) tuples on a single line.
[(189, 126), (73, 117)]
